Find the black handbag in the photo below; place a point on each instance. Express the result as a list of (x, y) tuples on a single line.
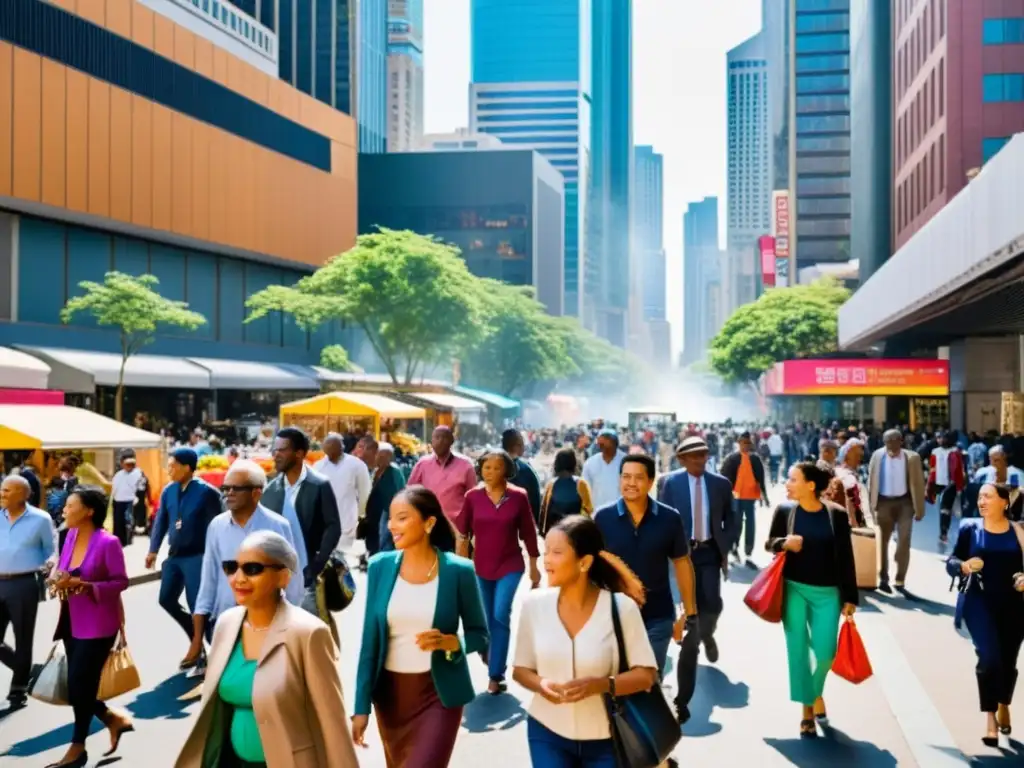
[(339, 586), (644, 729)]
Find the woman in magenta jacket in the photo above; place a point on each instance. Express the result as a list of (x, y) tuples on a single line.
[(89, 581)]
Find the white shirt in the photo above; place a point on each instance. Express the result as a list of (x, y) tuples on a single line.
[(893, 479), (988, 475), (705, 504), (941, 465), (350, 480), (603, 478), (543, 645), (775, 445), (125, 485), (410, 612)]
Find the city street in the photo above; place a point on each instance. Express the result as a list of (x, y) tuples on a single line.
[(920, 708)]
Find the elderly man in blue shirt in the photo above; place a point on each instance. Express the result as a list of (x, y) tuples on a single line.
[(28, 544), (187, 507)]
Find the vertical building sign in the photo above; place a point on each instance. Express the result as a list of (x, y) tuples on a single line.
[(780, 231), (766, 247)]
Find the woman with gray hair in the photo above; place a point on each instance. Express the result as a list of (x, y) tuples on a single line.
[(272, 696)]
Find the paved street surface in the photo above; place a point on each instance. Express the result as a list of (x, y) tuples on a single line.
[(920, 708)]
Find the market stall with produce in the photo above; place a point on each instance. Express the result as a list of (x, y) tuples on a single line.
[(353, 414)]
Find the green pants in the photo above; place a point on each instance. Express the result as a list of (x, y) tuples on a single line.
[(810, 616)]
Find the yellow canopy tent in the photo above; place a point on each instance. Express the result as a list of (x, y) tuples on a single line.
[(337, 411)]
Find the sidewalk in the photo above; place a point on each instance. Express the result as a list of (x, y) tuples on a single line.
[(135, 561)]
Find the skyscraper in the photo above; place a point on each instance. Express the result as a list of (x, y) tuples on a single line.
[(405, 75), (648, 240), (530, 86), (608, 280), (701, 278), (749, 191)]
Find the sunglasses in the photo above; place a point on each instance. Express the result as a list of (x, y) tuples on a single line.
[(231, 567), (226, 489)]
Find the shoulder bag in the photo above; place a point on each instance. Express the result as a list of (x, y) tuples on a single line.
[(51, 684), (120, 674), (767, 589), (644, 731)]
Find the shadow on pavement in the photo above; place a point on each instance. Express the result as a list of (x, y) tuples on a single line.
[(714, 689), (911, 602), (741, 574), (1003, 757), (488, 713), (833, 748)]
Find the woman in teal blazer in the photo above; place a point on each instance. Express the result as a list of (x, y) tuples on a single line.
[(413, 667)]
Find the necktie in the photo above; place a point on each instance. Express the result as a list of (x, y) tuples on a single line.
[(698, 511)]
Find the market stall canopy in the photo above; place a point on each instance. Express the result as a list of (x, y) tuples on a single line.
[(75, 370), (449, 402), (22, 371), (52, 427), (241, 374), (353, 404), (498, 401)]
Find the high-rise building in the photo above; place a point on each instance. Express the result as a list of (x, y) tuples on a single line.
[(749, 191), (405, 75), (608, 280), (701, 278), (530, 86), (871, 133), (775, 25), (648, 239), (959, 96), (820, 213)]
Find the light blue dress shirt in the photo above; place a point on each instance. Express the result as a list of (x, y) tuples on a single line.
[(289, 514), (27, 543), (705, 503), (223, 538)]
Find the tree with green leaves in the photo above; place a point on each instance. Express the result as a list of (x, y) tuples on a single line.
[(334, 357), (601, 366), (783, 324), (135, 308), (411, 294), (521, 343)]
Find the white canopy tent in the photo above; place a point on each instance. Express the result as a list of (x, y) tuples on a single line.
[(22, 371), (53, 427)]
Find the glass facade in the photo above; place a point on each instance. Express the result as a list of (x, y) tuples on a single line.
[(1002, 87), (1003, 31), (990, 146), (524, 41)]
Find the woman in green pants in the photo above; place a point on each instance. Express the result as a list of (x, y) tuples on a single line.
[(820, 583)]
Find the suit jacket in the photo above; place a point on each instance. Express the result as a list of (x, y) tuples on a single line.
[(296, 696), (317, 510), (674, 491), (96, 612), (458, 598), (915, 479)]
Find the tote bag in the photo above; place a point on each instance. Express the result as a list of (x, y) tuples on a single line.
[(766, 590), (119, 674), (51, 685), (851, 661)]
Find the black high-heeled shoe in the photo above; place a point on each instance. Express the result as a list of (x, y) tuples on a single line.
[(79, 762)]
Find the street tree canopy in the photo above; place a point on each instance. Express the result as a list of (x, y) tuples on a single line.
[(412, 296), (135, 308), (521, 343), (783, 324), (334, 357)]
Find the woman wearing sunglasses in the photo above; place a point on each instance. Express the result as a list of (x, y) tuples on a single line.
[(272, 696)]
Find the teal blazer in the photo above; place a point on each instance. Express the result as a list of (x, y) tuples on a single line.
[(458, 597)]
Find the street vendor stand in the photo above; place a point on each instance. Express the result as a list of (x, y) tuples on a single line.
[(348, 413), (445, 409)]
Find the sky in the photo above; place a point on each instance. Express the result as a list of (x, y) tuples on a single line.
[(679, 106)]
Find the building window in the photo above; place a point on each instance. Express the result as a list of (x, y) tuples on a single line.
[(1002, 87), (991, 146), (1002, 31)]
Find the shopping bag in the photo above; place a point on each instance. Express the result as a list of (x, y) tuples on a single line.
[(765, 594), (119, 672), (51, 684), (851, 662)]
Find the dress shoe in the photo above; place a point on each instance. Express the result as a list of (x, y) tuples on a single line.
[(711, 650)]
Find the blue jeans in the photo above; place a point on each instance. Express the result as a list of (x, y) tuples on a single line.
[(745, 511), (181, 574), (659, 633), (549, 750), (498, 595)]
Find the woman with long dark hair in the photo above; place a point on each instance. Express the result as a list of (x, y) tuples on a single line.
[(820, 584), (412, 664), (566, 651), (988, 556), (566, 494)]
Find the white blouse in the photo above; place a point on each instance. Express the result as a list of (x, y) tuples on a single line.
[(410, 612), (543, 645)]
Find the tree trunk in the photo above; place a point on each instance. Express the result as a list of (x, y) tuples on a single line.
[(119, 397)]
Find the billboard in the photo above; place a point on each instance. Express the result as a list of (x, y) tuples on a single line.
[(780, 222), (859, 377), (766, 247)]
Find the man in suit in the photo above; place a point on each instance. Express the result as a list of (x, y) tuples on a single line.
[(306, 500), (896, 491), (704, 502)]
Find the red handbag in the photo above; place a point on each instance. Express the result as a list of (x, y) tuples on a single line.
[(765, 594), (851, 662)]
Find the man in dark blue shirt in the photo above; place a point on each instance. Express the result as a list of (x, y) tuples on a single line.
[(187, 505), (647, 536), (526, 478)]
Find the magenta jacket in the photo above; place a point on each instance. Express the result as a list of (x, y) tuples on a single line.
[(97, 611)]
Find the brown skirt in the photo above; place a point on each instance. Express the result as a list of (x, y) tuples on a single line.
[(417, 730)]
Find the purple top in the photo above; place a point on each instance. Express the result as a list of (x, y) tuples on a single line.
[(96, 612), (498, 529)]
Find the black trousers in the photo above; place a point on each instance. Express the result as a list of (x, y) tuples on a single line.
[(997, 631), (946, 496), (86, 658), (123, 519), (19, 605), (707, 569)]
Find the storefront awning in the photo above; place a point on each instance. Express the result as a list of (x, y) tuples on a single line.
[(353, 404), (22, 371), (264, 377), (75, 370), (498, 401), (52, 427), (448, 402)]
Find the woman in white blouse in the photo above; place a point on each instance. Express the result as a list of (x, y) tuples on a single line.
[(566, 651)]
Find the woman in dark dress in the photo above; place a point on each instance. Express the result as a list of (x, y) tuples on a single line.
[(989, 558)]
